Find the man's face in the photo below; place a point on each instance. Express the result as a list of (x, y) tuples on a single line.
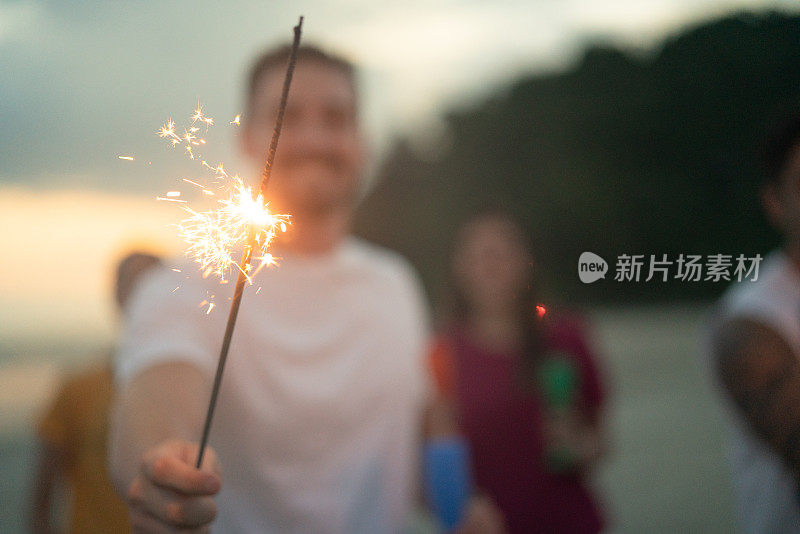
[(320, 154)]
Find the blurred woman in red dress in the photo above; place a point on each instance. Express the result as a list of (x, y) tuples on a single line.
[(520, 385)]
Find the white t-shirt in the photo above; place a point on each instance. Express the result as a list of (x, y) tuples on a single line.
[(767, 494), (318, 415)]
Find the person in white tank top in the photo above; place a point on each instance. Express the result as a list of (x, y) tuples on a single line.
[(754, 355)]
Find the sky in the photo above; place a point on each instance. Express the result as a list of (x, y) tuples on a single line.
[(82, 83)]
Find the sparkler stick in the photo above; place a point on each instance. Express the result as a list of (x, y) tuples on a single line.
[(251, 245)]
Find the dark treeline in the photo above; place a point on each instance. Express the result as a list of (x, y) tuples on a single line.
[(624, 153)]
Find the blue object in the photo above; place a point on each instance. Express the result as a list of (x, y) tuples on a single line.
[(448, 482)]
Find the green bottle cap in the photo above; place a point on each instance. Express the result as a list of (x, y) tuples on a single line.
[(559, 380)]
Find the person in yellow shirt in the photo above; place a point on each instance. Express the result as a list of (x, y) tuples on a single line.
[(73, 436)]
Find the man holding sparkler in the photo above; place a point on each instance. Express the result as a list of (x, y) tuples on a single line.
[(317, 418)]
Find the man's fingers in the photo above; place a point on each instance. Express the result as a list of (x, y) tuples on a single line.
[(189, 452), (171, 508), (171, 472), (191, 511), (170, 494), (143, 523)]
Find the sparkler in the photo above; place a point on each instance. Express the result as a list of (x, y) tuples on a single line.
[(241, 217)]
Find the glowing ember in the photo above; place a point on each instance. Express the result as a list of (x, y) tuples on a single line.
[(212, 236), (540, 310), (240, 219), (209, 305)]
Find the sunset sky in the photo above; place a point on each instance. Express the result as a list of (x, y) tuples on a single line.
[(84, 82)]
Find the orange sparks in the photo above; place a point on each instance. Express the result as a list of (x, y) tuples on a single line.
[(214, 236), (167, 131), (237, 120), (240, 219), (199, 117), (210, 305), (129, 158), (202, 188), (169, 199)]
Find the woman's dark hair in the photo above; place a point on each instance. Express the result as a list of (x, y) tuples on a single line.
[(529, 321)]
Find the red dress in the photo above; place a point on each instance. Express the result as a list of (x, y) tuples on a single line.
[(502, 423)]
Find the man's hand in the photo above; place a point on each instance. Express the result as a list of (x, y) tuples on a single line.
[(169, 494)]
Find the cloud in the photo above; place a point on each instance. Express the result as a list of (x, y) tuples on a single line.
[(17, 20), (85, 81)]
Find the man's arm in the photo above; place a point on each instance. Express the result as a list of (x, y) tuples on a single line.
[(761, 372), (155, 425)]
